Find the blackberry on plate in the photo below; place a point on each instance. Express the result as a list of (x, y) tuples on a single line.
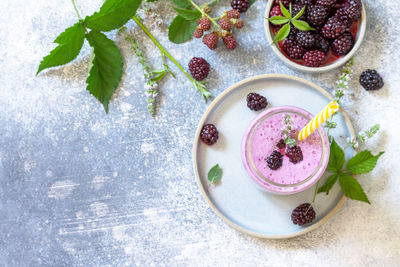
[(199, 68), (314, 58), (229, 41), (281, 144), (305, 39), (274, 161), (296, 8), (371, 80), (351, 10), (327, 3), (334, 27), (303, 2), (321, 43), (211, 40), (256, 102), (292, 49), (275, 11), (204, 23), (240, 5), (209, 134), (284, 2), (303, 214), (294, 154), (343, 44), (317, 15)]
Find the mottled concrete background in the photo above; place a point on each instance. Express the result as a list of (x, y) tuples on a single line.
[(82, 188)]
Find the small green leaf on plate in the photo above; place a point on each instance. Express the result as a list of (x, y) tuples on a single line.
[(278, 20), (215, 174), (336, 158), (351, 188), (328, 184), (282, 34), (285, 12), (302, 25)]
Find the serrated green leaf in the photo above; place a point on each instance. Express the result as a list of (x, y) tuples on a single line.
[(182, 3), (283, 33), (330, 182), (336, 158), (113, 14), (298, 15), (215, 174), (181, 30), (351, 188), (188, 14), (106, 68), (363, 162), (284, 10), (278, 20), (302, 25), (69, 45)]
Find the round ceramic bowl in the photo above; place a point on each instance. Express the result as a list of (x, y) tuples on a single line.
[(362, 25), (261, 139)]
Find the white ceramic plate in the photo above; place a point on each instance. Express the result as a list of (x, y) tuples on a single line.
[(236, 199)]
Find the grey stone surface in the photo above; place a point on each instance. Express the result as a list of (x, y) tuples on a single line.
[(82, 188)]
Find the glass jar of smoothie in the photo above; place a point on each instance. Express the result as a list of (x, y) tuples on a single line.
[(261, 139)]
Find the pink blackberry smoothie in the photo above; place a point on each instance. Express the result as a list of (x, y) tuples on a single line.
[(261, 139)]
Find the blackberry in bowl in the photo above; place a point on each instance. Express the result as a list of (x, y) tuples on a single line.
[(338, 31)]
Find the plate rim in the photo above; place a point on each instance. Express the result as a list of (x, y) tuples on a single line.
[(196, 142)]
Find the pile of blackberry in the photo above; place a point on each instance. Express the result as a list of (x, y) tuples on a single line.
[(332, 20)]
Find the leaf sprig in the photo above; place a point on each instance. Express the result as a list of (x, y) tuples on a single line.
[(287, 129), (362, 162), (287, 20)]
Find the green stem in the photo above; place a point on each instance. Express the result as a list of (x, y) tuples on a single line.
[(315, 192), (204, 14), (76, 9)]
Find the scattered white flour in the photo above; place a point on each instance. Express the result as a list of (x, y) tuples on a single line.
[(80, 215), (49, 173), (98, 181), (147, 148), (85, 149), (61, 189), (99, 208), (125, 107), (28, 165), (118, 233), (115, 174)]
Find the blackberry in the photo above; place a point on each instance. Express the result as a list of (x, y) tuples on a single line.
[(229, 41), (317, 15), (314, 58), (256, 102), (225, 24), (351, 10), (238, 23), (211, 40), (284, 2), (240, 5), (303, 214), (371, 80), (275, 11), (292, 49), (209, 134), (321, 43), (303, 2), (233, 14), (343, 44), (305, 39), (296, 8), (326, 3), (274, 161), (198, 32), (281, 144), (334, 27), (293, 32), (199, 68), (204, 23), (294, 154)]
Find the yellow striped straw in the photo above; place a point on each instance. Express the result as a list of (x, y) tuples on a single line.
[(318, 120)]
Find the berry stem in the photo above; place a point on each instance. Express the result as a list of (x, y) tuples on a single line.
[(198, 85), (204, 14), (76, 9)]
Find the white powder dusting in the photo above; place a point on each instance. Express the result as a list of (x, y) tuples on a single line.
[(98, 181), (147, 148), (61, 189), (100, 209)]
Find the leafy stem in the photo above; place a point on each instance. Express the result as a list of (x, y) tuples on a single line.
[(204, 14), (198, 85)]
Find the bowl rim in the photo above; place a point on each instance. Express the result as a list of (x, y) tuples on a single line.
[(340, 62)]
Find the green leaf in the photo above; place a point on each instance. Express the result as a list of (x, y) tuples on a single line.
[(351, 188), (282, 34), (113, 14), (363, 162), (181, 30), (285, 12), (182, 3), (252, 2), (278, 20), (188, 14), (106, 69), (300, 13), (214, 175), (336, 158), (69, 45), (302, 25), (330, 182)]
